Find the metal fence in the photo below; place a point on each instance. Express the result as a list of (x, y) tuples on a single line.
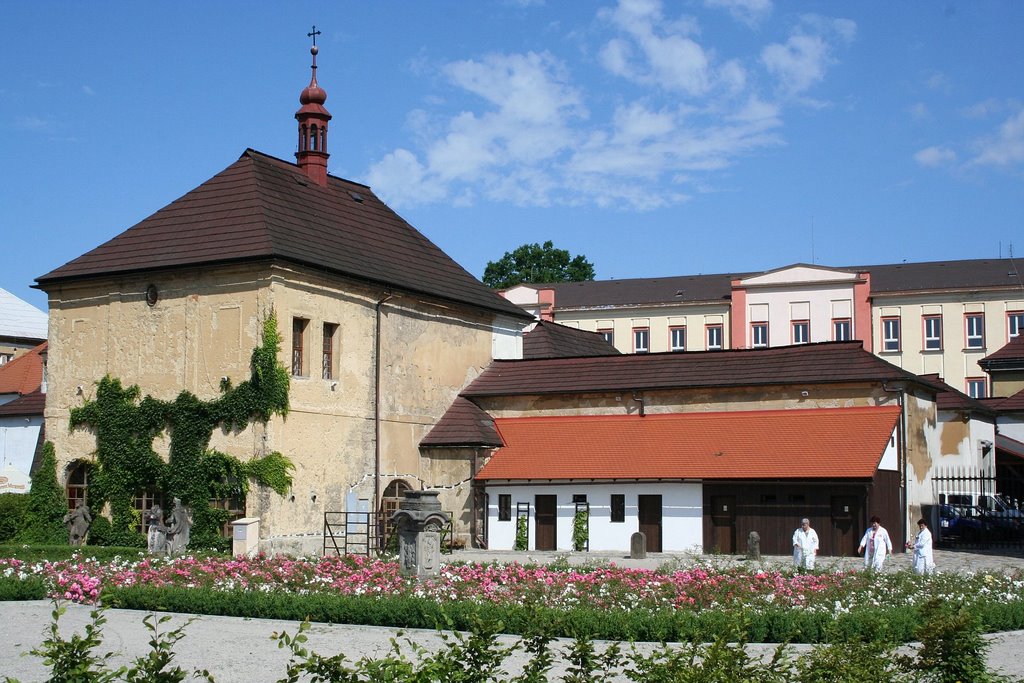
[(974, 509), (349, 533)]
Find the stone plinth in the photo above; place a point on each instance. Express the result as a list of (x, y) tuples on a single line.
[(419, 520), (638, 545)]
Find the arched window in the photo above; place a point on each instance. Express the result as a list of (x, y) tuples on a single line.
[(323, 139), (78, 483), (313, 138), (302, 138), (393, 495)]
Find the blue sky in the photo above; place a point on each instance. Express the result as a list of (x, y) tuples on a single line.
[(655, 137)]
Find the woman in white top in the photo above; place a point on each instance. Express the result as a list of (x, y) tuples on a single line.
[(875, 545), (805, 545), (924, 560)]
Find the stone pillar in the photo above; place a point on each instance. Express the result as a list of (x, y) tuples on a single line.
[(419, 520)]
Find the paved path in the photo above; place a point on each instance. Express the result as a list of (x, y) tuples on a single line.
[(240, 650)]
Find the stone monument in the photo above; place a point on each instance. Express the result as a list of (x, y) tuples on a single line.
[(638, 545), (156, 538), (754, 546), (419, 520), (179, 529), (77, 521)]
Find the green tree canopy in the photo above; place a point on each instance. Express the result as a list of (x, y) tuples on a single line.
[(538, 263)]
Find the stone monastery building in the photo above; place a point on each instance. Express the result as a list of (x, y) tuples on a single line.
[(407, 373)]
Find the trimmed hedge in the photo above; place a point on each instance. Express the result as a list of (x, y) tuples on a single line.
[(13, 588), (56, 553), (894, 625)]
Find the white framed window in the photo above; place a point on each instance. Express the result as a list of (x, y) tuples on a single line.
[(932, 332), (6, 358), (759, 335), (677, 338), (1014, 324), (977, 387), (641, 340), (842, 329), (890, 334), (714, 336), (974, 330), (801, 331), (608, 334)]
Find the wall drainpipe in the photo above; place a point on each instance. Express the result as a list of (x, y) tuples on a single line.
[(901, 451), (376, 420)]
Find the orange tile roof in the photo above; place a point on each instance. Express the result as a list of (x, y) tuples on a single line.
[(24, 374), (822, 443)]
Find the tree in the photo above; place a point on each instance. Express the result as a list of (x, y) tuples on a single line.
[(538, 264)]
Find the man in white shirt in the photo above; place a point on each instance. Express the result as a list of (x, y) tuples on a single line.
[(805, 545)]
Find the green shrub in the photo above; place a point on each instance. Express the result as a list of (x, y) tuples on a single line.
[(522, 533), (44, 519), (13, 511), (55, 553), (13, 588)]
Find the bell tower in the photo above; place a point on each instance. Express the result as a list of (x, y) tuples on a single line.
[(313, 117)]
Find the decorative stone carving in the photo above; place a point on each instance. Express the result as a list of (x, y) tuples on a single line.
[(419, 520)]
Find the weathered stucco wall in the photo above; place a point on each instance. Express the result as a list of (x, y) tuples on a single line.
[(204, 327), (689, 400)]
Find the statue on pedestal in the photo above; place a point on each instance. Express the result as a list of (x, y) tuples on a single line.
[(179, 529), (77, 522)]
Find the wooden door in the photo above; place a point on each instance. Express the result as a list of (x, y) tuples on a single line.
[(545, 522), (723, 524), (844, 534), (649, 518)]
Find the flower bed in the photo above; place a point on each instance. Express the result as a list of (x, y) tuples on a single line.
[(603, 587)]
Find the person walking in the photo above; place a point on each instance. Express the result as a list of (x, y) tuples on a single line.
[(924, 559), (875, 545), (805, 545)]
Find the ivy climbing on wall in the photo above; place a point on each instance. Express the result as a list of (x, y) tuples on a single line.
[(125, 425)]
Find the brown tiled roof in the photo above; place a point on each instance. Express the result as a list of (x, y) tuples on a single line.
[(643, 291), (1012, 355), (551, 340), (827, 362), (24, 374), (464, 424), (29, 404), (824, 443), (940, 275), (885, 279), (264, 208), (1013, 404), (949, 398)]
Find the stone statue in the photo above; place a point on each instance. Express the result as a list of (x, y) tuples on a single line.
[(754, 546), (157, 537), (178, 531), (77, 522)]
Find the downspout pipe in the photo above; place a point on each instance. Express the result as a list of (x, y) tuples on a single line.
[(376, 415), (901, 451), (640, 400)]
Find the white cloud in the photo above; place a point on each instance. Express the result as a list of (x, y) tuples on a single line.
[(1005, 147), (802, 61), (919, 111), (88, 91), (935, 156), (33, 123), (656, 51), (516, 128), (749, 12), (982, 110)]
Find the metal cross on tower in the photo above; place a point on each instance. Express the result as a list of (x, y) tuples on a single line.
[(313, 34)]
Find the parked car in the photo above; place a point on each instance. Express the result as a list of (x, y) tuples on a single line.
[(959, 522)]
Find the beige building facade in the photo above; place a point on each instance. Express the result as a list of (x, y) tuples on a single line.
[(940, 317)]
